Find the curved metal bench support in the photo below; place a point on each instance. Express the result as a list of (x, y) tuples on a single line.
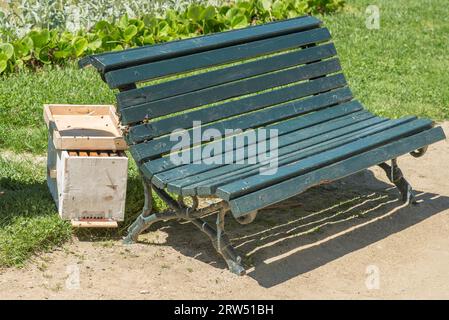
[(395, 175), (221, 242), (146, 219), (420, 152)]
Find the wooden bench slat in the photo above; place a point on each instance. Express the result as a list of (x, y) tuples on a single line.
[(227, 91), (253, 183), (224, 75), (158, 146), (162, 145), (115, 60), (284, 127), (210, 186), (289, 188), (144, 72), (264, 117), (255, 119), (307, 105), (216, 94), (305, 135), (288, 145)]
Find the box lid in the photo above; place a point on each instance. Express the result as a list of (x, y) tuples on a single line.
[(84, 127)]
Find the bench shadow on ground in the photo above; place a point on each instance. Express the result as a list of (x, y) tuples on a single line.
[(312, 229)]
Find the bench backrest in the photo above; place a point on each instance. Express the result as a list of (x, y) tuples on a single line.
[(239, 79)]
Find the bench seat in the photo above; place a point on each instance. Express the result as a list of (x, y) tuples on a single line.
[(334, 149)]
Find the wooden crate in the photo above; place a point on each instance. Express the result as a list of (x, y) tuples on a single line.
[(89, 188), (84, 127), (87, 169)]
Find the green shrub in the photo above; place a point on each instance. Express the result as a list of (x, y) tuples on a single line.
[(40, 47)]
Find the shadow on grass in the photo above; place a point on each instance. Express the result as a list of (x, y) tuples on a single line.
[(312, 229), (23, 199), (28, 221)]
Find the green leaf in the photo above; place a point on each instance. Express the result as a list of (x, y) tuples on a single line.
[(266, 4), (66, 36), (292, 14), (194, 13), (148, 39), (3, 62), (171, 16), (7, 49), (20, 49), (301, 6), (245, 5), (95, 45), (233, 12), (43, 55), (150, 21), (239, 21), (123, 22), (3, 65), (28, 43), (164, 29), (278, 9), (208, 13), (101, 25), (80, 45), (40, 38), (63, 54), (129, 33)]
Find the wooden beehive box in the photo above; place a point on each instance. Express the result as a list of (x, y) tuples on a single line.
[(83, 127), (87, 169)]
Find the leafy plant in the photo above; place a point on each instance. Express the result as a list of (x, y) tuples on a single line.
[(23, 15), (56, 46)]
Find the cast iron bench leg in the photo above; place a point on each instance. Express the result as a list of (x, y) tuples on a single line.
[(219, 239), (146, 219), (221, 242), (395, 175)]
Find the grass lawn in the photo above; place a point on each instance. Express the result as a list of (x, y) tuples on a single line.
[(397, 70)]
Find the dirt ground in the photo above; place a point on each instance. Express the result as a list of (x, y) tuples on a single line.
[(351, 239)]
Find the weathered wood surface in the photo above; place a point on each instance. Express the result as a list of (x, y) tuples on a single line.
[(84, 127), (87, 185), (116, 60), (158, 146), (235, 89), (288, 143), (252, 183), (289, 188), (224, 75)]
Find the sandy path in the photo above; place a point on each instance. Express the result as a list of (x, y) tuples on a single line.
[(349, 239)]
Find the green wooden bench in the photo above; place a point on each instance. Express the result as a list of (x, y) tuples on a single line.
[(282, 76)]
